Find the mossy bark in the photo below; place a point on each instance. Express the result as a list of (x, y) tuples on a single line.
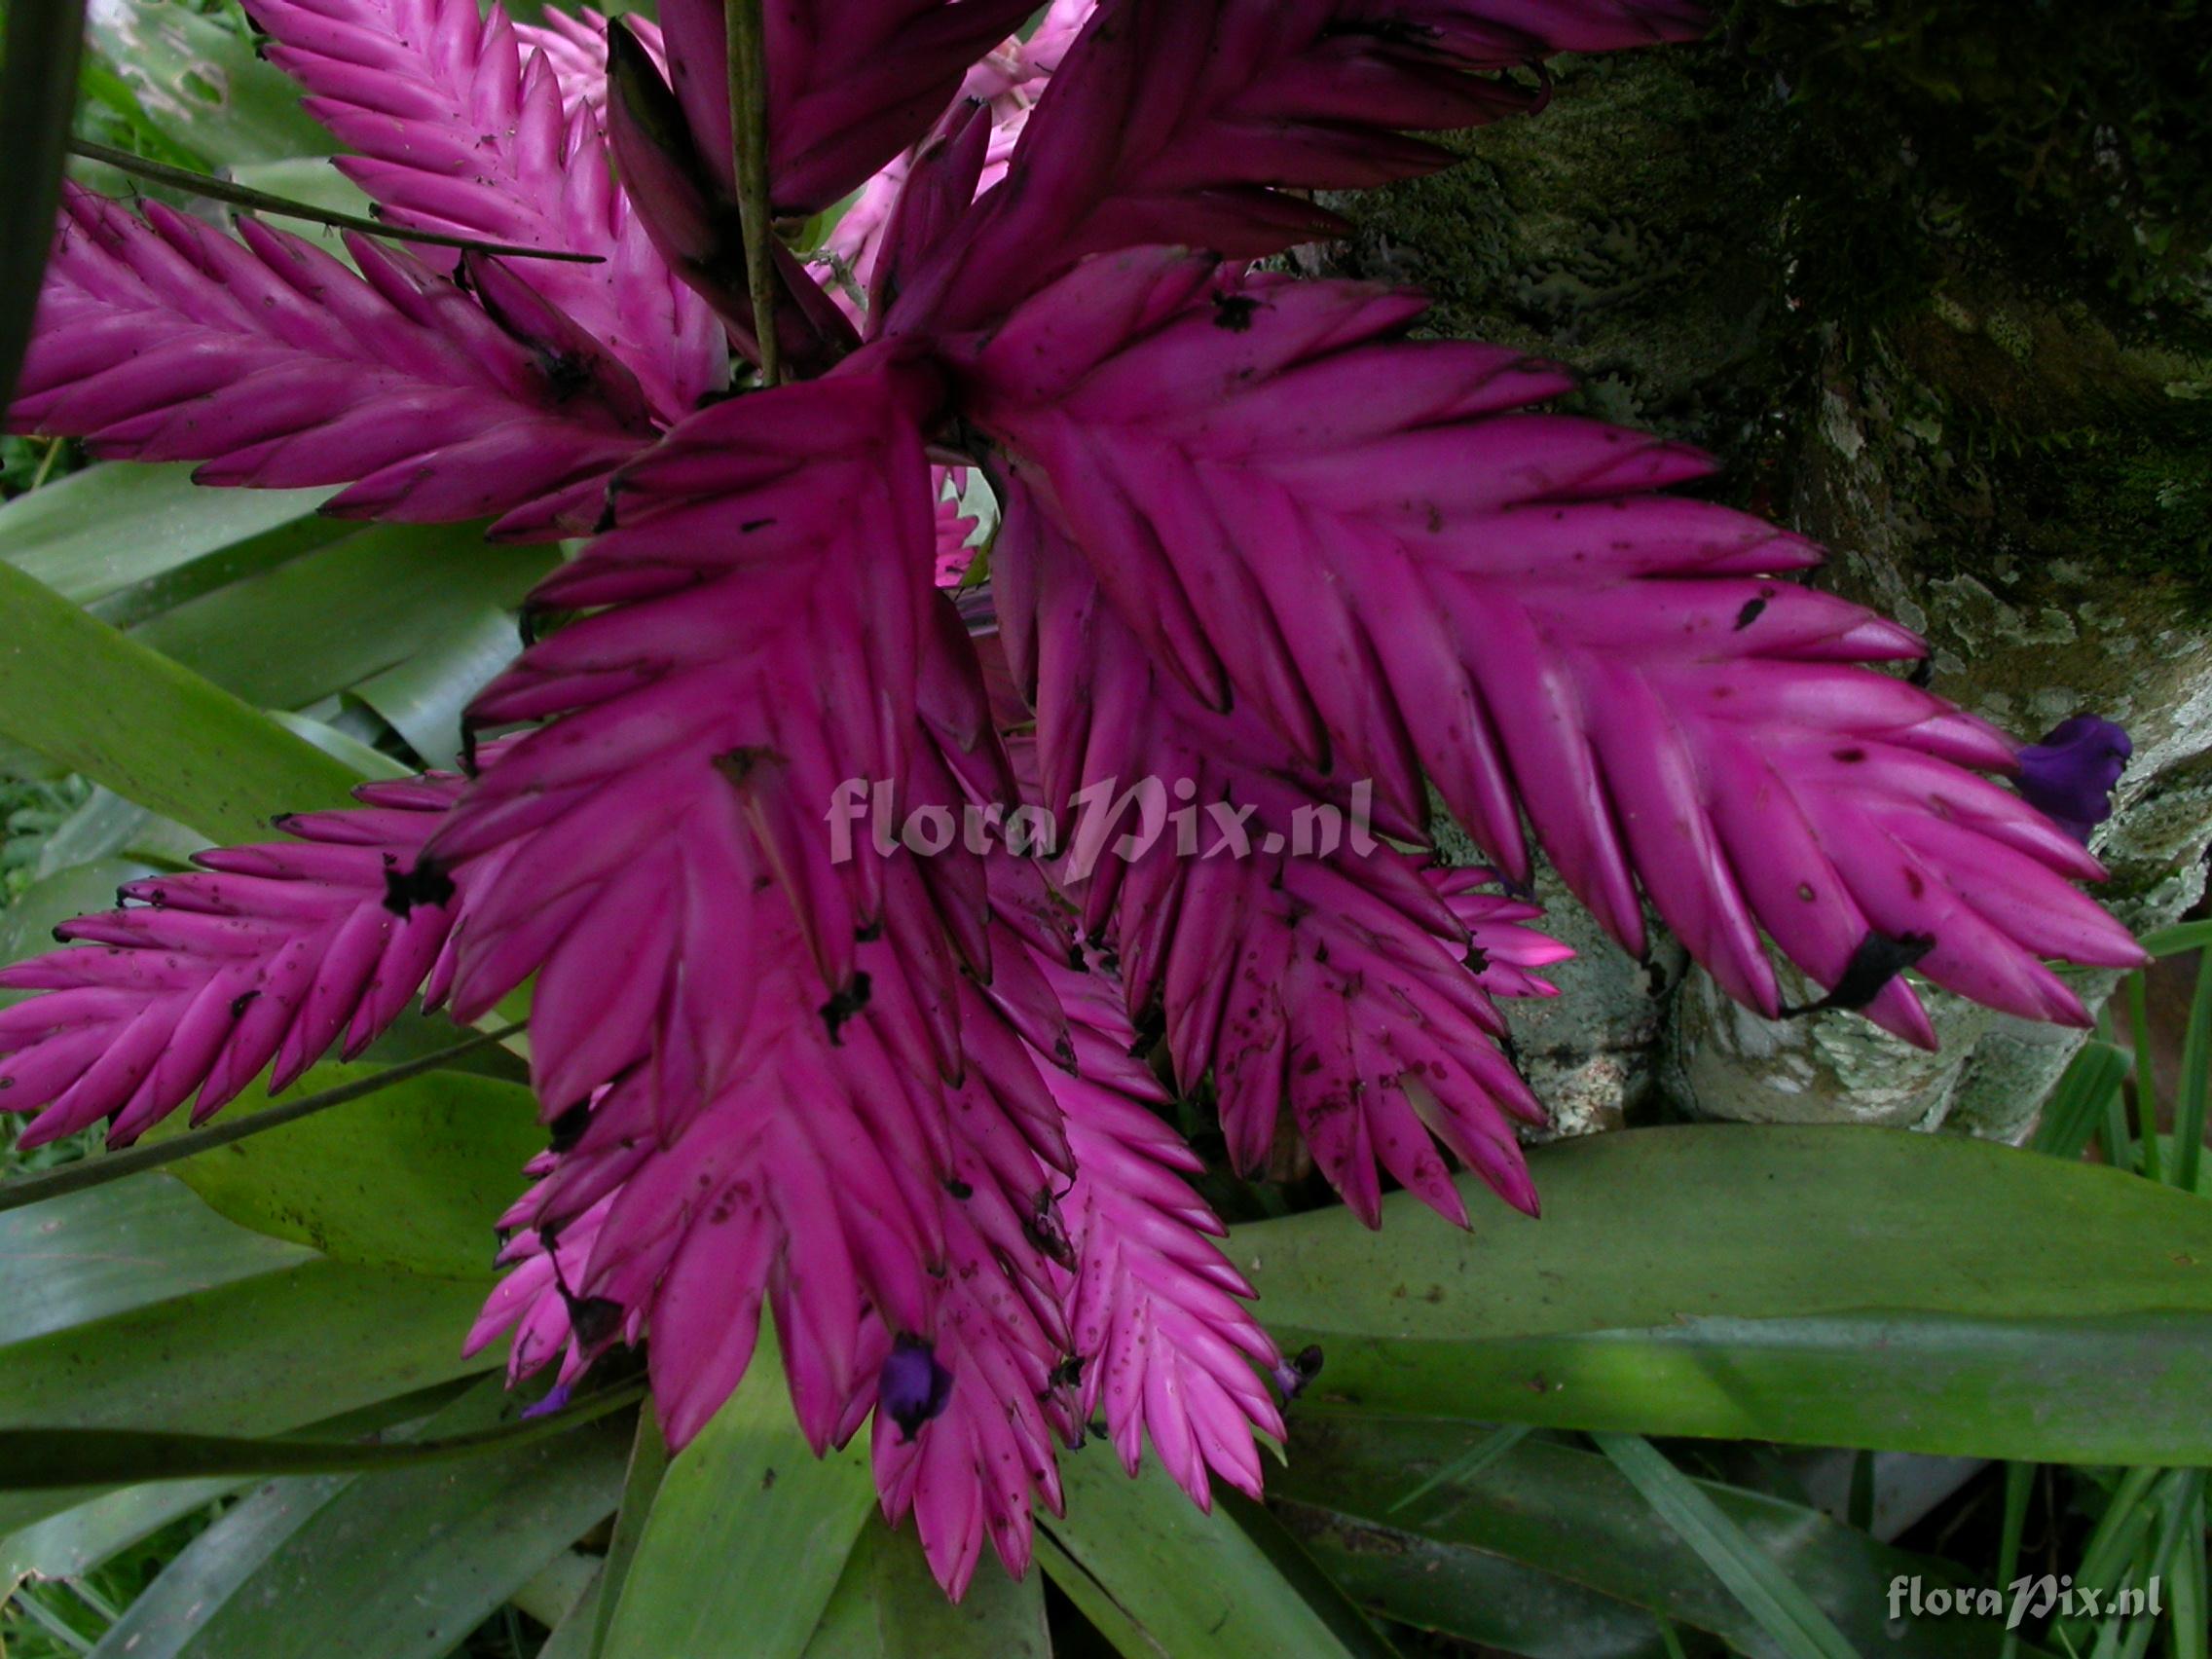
[(1979, 371)]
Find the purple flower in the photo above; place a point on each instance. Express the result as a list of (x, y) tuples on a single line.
[(1296, 1373), (2070, 775), (555, 1400), (912, 1386)]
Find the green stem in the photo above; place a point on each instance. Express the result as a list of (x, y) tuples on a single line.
[(747, 39), (51, 1460), (2146, 1083), (46, 464), (261, 202), (114, 1165)]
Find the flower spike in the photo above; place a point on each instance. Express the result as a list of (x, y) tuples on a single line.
[(1500, 600), (272, 365), (269, 953), (456, 130)]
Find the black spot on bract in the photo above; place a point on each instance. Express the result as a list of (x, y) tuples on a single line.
[(1234, 312), (596, 1319), (1750, 614), (426, 883), (739, 765), (1042, 1228), (566, 375), (846, 1003), (569, 1128), (1878, 961)]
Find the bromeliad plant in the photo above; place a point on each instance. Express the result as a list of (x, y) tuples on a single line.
[(1259, 547)]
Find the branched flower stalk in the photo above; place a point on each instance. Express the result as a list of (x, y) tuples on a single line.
[(1267, 563)]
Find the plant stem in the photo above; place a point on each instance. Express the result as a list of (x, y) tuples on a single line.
[(55, 1460), (746, 36), (114, 1165), (261, 202), (46, 462)]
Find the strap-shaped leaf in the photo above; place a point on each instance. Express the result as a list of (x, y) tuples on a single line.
[(38, 93)]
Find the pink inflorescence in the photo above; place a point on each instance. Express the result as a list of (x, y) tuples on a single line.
[(1256, 547)]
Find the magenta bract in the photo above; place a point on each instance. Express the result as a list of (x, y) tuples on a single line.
[(806, 1045)]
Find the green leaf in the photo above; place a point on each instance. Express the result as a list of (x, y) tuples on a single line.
[(1472, 1463), (346, 750), (2077, 1106), (775, 1523), (114, 1249), (1479, 1555), (1782, 1611), (61, 1459), (2186, 1593), (392, 591), (107, 826), (2019, 1489), (78, 1541), (423, 697), (888, 1607), (261, 1356), (411, 1177), (181, 746), (312, 180), (121, 526), (168, 1143), (1828, 1286), (641, 1485), (203, 85), (2194, 1096), (38, 92), (1179, 1580), (397, 1566), (2180, 938)]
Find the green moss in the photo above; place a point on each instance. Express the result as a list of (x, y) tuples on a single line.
[(1632, 232), (1881, 201), (2068, 138)]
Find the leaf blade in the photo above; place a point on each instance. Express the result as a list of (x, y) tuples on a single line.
[(1781, 1608), (190, 751), (779, 1547), (1858, 1287)]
